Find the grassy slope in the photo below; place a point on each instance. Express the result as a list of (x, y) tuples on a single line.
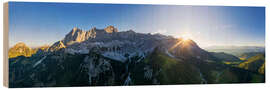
[(174, 71), (170, 70), (255, 63)]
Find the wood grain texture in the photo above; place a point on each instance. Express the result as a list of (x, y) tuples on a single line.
[(5, 46)]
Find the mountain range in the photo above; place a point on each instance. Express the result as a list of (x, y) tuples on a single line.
[(107, 57)]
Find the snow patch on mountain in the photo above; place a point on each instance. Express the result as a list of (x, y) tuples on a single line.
[(169, 54), (115, 56), (79, 51), (38, 62)]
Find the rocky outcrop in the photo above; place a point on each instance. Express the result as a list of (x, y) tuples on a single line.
[(76, 35), (56, 46), (111, 29), (20, 49)]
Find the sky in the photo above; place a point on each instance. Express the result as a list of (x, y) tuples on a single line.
[(37, 24)]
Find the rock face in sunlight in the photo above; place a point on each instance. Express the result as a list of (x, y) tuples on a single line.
[(111, 29), (255, 63), (56, 46), (77, 35), (20, 49), (106, 57)]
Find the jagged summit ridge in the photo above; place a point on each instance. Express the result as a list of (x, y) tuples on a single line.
[(78, 35), (123, 45), (118, 45)]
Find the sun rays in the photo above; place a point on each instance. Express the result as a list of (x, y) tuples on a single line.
[(181, 41)]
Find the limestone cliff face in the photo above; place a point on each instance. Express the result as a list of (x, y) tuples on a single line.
[(78, 35)]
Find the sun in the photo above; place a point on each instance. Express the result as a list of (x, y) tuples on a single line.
[(183, 39), (186, 36)]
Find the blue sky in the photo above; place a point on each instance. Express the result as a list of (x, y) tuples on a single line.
[(37, 24)]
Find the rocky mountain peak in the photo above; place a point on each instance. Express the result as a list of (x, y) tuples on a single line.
[(75, 35), (20, 49), (75, 30), (111, 29), (20, 44), (56, 46)]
